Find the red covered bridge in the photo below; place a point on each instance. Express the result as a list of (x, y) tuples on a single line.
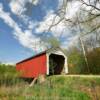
[(41, 64)]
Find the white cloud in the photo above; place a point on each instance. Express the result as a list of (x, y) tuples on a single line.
[(44, 25), (71, 41), (60, 29), (26, 38), (18, 7), (32, 24), (72, 8), (35, 2)]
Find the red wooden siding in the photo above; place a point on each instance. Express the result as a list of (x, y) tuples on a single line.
[(33, 67)]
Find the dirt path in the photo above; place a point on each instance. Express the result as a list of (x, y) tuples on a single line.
[(87, 76)]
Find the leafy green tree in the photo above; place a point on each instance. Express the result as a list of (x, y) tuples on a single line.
[(54, 42), (94, 60), (76, 62), (8, 75)]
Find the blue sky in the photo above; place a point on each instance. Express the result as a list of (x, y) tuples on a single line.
[(21, 25)]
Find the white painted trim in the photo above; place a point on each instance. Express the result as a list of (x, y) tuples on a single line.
[(66, 65), (47, 55)]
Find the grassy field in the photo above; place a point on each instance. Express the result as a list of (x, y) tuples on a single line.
[(55, 88)]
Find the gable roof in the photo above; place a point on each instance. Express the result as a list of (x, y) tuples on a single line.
[(39, 54)]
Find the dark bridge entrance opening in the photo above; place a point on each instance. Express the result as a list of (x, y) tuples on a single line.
[(56, 64)]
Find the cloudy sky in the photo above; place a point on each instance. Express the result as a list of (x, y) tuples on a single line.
[(23, 21)]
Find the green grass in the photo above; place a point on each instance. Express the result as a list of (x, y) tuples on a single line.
[(55, 88)]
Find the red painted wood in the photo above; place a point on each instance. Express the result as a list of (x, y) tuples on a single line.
[(33, 67)]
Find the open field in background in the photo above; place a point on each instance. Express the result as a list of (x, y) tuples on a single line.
[(59, 87)]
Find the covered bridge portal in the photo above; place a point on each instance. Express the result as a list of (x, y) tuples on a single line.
[(49, 62)]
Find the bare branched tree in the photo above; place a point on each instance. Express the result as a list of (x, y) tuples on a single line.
[(88, 16)]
